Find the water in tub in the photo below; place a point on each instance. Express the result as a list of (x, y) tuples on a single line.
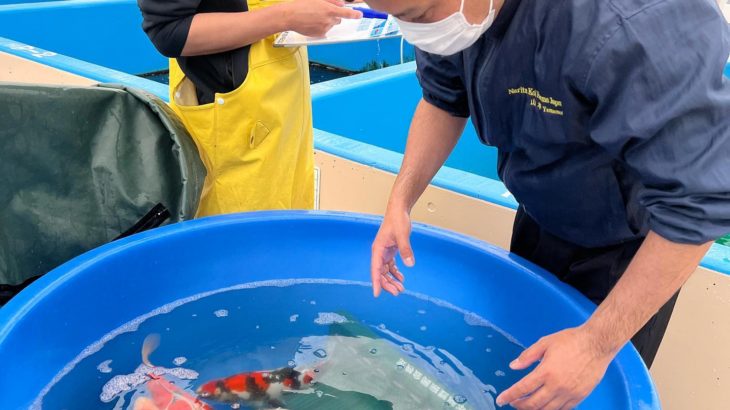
[(305, 344)]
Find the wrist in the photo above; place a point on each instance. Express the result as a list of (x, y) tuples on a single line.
[(603, 342), (282, 15), (399, 206)]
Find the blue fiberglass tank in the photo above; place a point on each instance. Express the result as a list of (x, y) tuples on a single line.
[(49, 323)]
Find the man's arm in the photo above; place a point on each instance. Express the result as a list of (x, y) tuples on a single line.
[(433, 135), (659, 269), (573, 362)]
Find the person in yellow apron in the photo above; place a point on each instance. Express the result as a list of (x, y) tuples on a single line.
[(245, 103)]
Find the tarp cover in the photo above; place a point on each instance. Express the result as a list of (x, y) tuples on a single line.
[(81, 165)]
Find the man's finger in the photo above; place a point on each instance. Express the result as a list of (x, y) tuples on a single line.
[(395, 272), (389, 287), (393, 282), (524, 387), (376, 269), (556, 403), (537, 400), (338, 3), (570, 405), (530, 355), (405, 250)]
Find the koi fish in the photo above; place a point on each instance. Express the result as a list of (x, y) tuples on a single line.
[(258, 389), (164, 394)]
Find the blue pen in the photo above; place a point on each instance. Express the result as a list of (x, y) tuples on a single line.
[(371, 14)]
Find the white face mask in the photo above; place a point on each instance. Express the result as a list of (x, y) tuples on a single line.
[(448, 36)]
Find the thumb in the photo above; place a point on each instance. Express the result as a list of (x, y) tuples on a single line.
[(406, 251), (530, 355)]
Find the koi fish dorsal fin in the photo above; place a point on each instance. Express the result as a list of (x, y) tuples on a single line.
[(151, 342)]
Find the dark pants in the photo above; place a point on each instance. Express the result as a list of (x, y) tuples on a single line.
[(593, 271)]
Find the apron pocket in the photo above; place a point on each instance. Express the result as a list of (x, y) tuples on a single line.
[(258, 134)]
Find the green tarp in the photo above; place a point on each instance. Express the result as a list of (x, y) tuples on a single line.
[(81, 165)]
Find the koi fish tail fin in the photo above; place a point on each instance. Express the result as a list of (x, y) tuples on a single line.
[(151, 343)]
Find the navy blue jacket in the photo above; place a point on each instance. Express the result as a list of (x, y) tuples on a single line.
[(611, 117)]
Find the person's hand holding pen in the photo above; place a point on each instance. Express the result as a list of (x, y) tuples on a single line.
[(368, 12), (315, 18)]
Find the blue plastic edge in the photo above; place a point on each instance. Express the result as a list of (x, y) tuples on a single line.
[(20, 5), (630, 361), (82, 68)]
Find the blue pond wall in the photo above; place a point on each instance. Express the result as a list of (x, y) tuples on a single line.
[(107, 33), (381, 107)]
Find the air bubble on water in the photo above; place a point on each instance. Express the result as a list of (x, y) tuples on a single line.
[(490, 336), (273, 347), (499, 373), (104, 366), (316, 370), (429, 348), (421, 312), (459, 399), (373, 351), (382, 326), (344, 373), (167, 329), (399, 367), (235, 406), (221, 313), (179, 361), (312, 302), (329, 318), (321, 353), (292, 364), (488, 350), (258, 327), (490, 389), (195, 315), (319, 393), (407, 347), (423, 328), (181, 373), (293, 318), (123, 383), (468, 339)]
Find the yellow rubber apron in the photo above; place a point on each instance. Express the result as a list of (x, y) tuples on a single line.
[(256, 141)]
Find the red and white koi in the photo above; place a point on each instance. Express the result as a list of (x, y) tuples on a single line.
[(258, 389)]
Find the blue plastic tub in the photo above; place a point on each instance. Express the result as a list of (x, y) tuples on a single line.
[(49, 323)]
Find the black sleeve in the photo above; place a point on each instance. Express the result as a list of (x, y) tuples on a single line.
[(441, 81), (167, 23)]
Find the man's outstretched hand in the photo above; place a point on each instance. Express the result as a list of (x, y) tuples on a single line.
[(572, 363), (393, 237)]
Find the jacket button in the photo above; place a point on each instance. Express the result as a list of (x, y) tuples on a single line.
[(221, 101)]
